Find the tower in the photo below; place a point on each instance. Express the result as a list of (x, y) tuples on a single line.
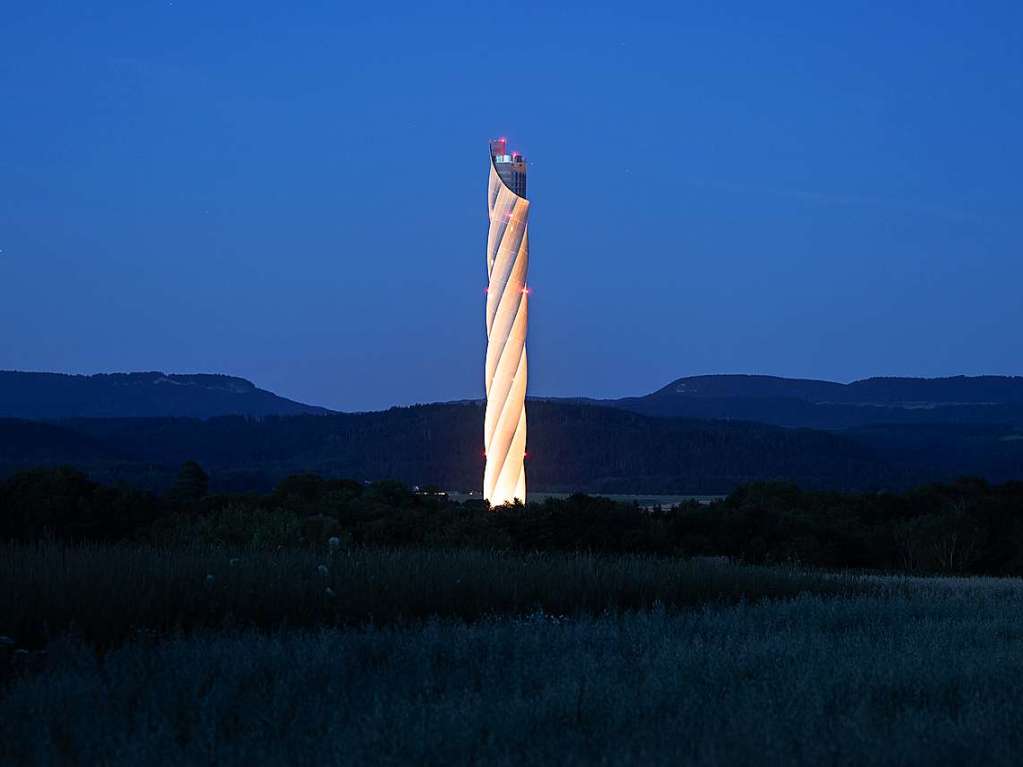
[(504, 430)]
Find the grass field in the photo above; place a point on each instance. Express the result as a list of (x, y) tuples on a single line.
[(933, 676), (106, 592), (558, 660)]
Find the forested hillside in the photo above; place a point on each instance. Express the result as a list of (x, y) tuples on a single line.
[(706, 434), (571, 447)]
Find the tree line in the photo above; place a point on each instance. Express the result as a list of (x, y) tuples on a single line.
[(968, 526)]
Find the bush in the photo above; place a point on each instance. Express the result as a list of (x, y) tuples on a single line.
[(233, 525), (64, 504)]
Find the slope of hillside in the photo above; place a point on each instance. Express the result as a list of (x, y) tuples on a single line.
[(994, 451), (701, 435), (116, 395), (34, 443), (571, 447)]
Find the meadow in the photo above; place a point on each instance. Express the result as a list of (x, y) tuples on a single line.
[(106, 593), (916, 672)]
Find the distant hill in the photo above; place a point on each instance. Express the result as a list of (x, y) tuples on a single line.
[(571, 447), (704, 434), (828, 405), (788, 402), (907, 392), (145, 395)]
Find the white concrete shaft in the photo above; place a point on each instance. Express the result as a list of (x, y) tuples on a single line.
[(504, 478)]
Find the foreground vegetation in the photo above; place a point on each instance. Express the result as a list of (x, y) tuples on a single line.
[(965, 527), (337, 622), (931, 675), (108, 593)]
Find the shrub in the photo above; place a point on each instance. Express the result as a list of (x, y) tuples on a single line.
[(234, 525)]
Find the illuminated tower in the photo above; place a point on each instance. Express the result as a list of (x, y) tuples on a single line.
[(504, 431)]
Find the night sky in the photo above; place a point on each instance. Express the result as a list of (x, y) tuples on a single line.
[(295, 192)]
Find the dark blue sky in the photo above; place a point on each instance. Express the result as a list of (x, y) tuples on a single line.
[(295, 192)]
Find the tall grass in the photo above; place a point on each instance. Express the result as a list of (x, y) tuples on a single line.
[(106, 593), (882, 680)]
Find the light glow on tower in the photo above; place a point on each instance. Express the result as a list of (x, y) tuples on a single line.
[(504, 430)]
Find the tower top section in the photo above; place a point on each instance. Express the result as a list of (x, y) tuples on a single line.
[(510, 166)]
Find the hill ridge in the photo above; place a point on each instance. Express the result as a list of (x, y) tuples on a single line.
[(46, 395)]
